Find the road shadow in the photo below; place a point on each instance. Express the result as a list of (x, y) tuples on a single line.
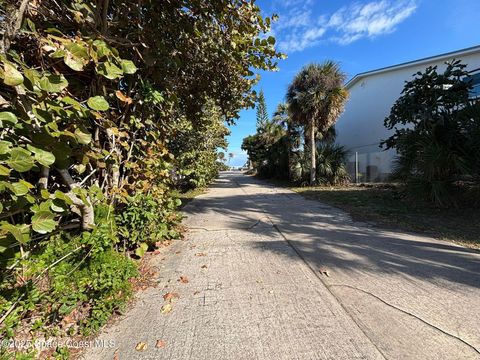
[(327, 237)]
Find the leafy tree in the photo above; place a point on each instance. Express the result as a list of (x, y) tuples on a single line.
[(316, 97), (106, 106), (221, 156), (436, 130), (262, 114), (268, 150)]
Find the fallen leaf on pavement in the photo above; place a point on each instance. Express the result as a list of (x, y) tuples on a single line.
[(178, 252), (324, 272), (160, 344), (165, 309), (170, 296), (183, 279), (196, 292), (115, 355), (200, 254), (204, 266), (141, 346)]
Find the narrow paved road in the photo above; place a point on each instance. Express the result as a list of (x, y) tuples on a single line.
[(274, 276)]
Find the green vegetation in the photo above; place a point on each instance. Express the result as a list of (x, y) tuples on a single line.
[(436, 134), (187, 196), (282, 146), (437, 137), (316, 98), (105, 112), (262, 113), (391, 207)]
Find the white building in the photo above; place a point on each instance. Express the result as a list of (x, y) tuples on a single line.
[(360, 128)]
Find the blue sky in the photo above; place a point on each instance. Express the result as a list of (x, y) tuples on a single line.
[(361, 36)]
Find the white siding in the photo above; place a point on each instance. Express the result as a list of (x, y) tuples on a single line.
[(360, 128)]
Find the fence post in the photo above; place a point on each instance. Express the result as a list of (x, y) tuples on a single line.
[(356, 167)]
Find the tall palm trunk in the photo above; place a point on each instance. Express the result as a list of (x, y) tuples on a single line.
[(313, 162)]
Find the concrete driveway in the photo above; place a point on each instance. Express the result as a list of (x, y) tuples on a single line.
[(272, 275)]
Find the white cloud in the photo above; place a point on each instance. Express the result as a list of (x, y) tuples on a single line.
[(346, 25)]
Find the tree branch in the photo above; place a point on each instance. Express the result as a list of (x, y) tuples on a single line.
[(86, 208)]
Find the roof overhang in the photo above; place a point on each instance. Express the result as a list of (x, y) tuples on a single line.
[(450, 55)]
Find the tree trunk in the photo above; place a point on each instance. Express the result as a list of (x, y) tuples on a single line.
[(313, 163), (12, 23), (86, 208)]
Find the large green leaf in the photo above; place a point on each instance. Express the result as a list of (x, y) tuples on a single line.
[(6, 116), (98, 103), (102, 48), (19, 188), (62, 196), (53, 83), (45, 158), (77, 50), (43, 222), (4, 147), (20, 160), (12, 76), (128, 67), (83, 137), (109, 70), (16, 231), (141, 250), (73, 62), (4, 171)]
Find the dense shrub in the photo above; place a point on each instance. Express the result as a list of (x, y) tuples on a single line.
[(436, 135), (144, 221), (72, 282), (104, 106)]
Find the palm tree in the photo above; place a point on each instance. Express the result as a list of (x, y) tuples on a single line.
[(316, 98), (221, 156)]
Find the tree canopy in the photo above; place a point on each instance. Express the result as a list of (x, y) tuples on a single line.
[(262, 113), (436, 135), (106, 107)]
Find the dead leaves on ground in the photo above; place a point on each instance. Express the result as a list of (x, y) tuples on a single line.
[(141, 346), (160, 344), (167, 308), (200, 254), (171, 297), (324, 271), (183, 280)]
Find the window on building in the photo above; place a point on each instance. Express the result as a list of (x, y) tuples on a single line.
[(475, 81)]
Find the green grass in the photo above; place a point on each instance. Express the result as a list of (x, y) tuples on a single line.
[(389, 207), (189, 195)]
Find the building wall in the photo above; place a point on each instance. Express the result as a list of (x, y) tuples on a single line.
[(360, 128)]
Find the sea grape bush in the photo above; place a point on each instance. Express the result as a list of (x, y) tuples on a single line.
[(106, 107)]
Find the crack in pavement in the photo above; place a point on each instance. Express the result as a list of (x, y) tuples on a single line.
[(338, 299), (405, 312), (275, 226)]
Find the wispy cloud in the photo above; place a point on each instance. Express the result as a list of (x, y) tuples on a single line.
[(298, 29)]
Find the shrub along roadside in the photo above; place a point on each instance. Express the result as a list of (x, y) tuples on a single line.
[(436, 133)]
